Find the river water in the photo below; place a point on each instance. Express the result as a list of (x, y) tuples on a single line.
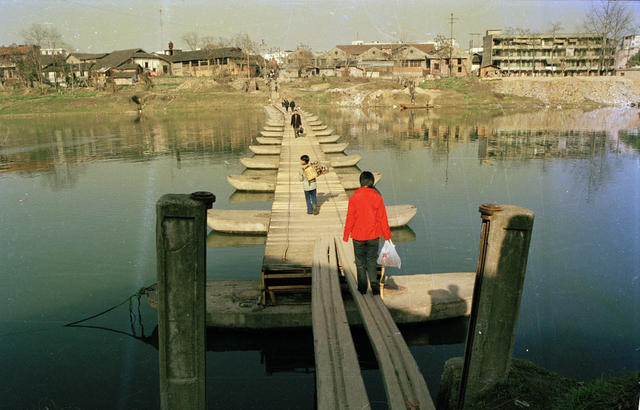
[(77, 211)]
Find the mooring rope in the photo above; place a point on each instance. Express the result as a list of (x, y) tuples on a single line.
[(138, 294)]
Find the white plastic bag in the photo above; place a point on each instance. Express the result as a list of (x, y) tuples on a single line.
[(388, 255)]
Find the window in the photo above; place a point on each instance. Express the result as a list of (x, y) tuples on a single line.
[(436, 66), (146, 64), (459, 69)]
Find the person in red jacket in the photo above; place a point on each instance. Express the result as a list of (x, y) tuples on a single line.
[(366, 222)]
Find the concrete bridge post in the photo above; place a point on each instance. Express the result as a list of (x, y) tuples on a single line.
[(181, 257), (502, 262)]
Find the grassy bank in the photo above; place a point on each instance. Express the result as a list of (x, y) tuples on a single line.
[(533, 387), (466, 94)]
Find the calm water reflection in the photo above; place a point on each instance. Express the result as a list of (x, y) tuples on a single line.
[(78, 216)]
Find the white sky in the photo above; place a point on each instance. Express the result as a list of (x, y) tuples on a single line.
[(101, 26)]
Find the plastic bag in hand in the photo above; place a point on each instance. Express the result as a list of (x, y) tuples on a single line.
[(388, 255)]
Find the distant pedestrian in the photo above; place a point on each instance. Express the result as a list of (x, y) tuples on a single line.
[(292, 104), (309, 185), (276, 86), (285, 104), (366, 222), (296, 122)]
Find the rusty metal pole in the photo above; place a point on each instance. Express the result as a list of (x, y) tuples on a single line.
[(502, 262), (181, 256)]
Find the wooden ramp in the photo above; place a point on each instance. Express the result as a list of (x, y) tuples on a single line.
[(404, 384), (292, 232), (339, 383)]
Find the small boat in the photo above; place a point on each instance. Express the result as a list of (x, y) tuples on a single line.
[(328, 140), (273, 163), (414, 298), (238, 221), (346, 161), (271, 133), (265, 149), (323, 133), (254, 184), (415, 107), (269, 140), (268, 183), (352, 181), (261, 162), (253, 221), (333, 148)]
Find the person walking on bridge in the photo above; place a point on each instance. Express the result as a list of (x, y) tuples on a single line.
[(292, 104), (308, 185), (296, 122), (366, 222)]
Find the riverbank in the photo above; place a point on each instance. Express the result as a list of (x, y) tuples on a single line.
[(175, 94), (531, 386)]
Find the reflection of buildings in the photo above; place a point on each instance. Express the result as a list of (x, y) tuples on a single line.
[(58, 145), (544, 133)]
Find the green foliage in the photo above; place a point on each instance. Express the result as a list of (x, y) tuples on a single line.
[(454, 83), (634, 60), (619, 392)]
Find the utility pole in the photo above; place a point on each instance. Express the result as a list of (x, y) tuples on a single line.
[(161, 32), (451, 21)]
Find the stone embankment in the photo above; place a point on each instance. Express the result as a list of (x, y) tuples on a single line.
[(614, 91)]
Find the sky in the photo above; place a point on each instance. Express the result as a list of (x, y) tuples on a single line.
[(103, 26)]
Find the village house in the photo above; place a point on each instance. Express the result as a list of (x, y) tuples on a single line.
[(629, 47), (299, 63), (389, 60), (11, 57), (214, 62), (120, 65)]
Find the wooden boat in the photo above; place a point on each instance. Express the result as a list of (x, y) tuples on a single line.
[(269, 140), (261, 162), (271, 133), (328, 140), (319, 127), (265, 149), (333, 148), (257, 221), (243, 197), (273, 163), (323, 133), (254, 184), (238, 221), (346, 161), (415, 107), (416, 298), (268, 183), (352, 181)]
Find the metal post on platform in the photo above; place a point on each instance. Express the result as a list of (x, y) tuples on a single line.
[(181, 231), (502, 262)]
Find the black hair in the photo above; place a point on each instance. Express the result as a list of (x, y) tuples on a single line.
[(305, 158), (366, 179)]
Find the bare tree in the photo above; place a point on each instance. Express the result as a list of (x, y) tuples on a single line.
[(192, 40), (248, 46), (444, 50), (612, 20), (302, 58), (43, 36)]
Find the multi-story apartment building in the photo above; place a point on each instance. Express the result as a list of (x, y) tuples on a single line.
[(549, 54), (630, 46)]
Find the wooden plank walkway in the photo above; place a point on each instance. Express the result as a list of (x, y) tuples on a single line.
[(404, 384), (339, 383), (292, 232)]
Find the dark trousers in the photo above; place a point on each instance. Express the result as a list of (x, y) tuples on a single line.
[(310, 197), (366, 253)]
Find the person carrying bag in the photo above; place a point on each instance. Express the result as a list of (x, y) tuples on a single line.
[(366, 222)]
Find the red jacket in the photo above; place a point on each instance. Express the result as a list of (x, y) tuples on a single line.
[(366, 216)]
